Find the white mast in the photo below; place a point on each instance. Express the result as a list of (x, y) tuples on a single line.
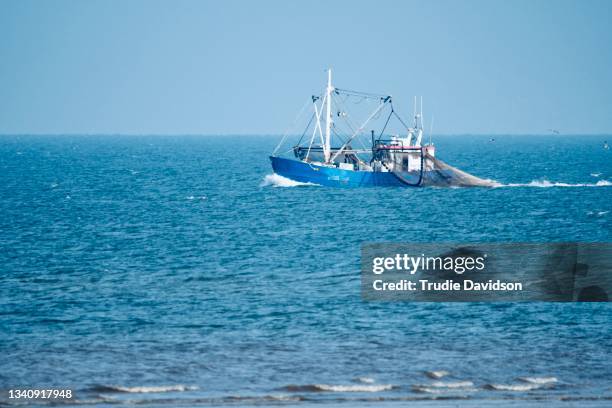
[(412, 131), (327, 147), (419, 123)]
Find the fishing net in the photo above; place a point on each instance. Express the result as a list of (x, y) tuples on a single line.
[(437, 173), (445, 175)]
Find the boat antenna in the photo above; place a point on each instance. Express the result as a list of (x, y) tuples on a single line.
[(328, 94), (418, 122), (415, 111), (431, 128), (421, 117)]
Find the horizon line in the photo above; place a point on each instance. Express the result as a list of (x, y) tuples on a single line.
[(281, 135)]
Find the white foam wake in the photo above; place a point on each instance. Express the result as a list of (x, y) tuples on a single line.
[(276, 180), (545, 183)]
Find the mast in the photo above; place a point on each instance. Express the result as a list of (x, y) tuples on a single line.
[(329, 89), (418, 123)]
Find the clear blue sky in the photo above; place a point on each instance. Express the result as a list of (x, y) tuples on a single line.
[(246, 67)]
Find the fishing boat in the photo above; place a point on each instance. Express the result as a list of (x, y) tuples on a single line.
[(399, 160)]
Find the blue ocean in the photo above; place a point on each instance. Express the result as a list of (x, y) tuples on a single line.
[(179, 271)]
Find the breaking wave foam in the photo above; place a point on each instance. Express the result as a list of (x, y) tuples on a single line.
[(143, 389), (339, 388), (276, 180), (436, 374), (539, 380), (513, 387), (545, 183), (451, 384), (365, 380), (438, 387), (265, 398)]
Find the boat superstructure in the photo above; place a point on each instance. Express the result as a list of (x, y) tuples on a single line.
[(389, 160)]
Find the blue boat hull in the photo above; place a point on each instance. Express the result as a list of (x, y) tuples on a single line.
[(335, 177)]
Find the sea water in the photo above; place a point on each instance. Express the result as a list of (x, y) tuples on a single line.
[(178, 270)]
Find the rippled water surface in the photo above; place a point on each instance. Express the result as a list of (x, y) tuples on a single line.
[(176, 271)]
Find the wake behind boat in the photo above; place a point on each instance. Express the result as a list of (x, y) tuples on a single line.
[(390, 160)]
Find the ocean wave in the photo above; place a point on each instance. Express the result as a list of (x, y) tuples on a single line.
[(276, 180), (89, 401), (545, 183), (442, 391), (365, 380), (438, 387), (144, 389), (180, 401), (513, 387), (339, 388), (451, 384), (539, 380), (265, 398), (436, 374), (598, 213), (427, 390), (445, 392)]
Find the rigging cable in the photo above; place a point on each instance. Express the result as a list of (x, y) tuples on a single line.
[(286, 133), (348, 122), (305, 130), (398, 117), (387, 122), (359, 93)]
